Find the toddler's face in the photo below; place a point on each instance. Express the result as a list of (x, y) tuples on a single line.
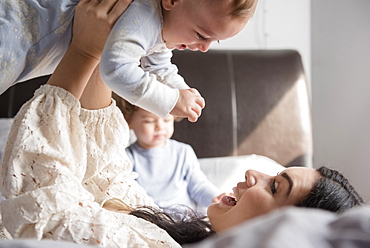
[(151, 130), (195, 24)]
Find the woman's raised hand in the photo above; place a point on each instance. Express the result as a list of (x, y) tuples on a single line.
[(93, 22)]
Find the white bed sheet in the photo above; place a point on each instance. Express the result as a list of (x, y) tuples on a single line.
[(5, 125), (294, 227)]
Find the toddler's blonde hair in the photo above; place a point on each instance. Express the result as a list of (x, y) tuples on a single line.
[(128, 109)]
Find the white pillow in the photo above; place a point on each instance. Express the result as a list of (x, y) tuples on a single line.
[(5, 125), (226, 172)]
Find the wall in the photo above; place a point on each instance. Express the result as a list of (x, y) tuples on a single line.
[(341, 88), (277, 24)]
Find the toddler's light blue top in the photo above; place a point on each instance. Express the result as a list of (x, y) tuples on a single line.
[(171, 175)]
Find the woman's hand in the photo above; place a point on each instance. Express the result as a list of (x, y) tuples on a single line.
[(93, 22)]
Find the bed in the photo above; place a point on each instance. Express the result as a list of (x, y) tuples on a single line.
[(257, 116)]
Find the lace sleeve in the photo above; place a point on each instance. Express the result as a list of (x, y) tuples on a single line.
[(44, 175)]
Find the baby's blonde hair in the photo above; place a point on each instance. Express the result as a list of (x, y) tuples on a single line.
[(243, 8)]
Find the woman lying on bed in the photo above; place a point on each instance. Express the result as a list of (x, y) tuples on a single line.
[(65, 175)]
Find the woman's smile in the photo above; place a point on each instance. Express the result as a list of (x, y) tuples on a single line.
[(228, 200)]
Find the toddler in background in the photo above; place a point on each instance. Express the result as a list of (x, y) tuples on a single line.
[(136, 61), (168, 170)]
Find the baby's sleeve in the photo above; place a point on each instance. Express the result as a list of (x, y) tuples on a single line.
[(159, 63)]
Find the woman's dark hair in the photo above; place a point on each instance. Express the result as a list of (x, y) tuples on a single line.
[(185, 226), (332, 192)]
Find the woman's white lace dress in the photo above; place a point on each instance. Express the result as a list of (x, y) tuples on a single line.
[(61, 164)]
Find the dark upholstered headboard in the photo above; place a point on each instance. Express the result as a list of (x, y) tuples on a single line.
[(256, 103), (13, 99)]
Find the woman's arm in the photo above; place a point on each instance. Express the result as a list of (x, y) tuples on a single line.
[(96, 95), (83, 55)]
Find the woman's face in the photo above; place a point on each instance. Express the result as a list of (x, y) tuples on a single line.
[(260, 194)]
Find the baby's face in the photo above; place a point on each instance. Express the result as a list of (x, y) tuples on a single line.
[(151, 130), (195, 24)]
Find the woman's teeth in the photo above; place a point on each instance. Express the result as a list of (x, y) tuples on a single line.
[(232, 200)]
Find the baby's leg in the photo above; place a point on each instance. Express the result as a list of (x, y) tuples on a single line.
[(34, 35)]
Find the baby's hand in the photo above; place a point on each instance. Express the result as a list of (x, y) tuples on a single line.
[(189, 104)]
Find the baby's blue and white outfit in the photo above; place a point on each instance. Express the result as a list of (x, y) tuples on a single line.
[(35, 34)]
